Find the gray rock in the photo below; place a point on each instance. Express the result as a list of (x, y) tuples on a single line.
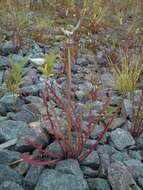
[(121, 139), (26, 81), (98, 184), (74, 68), (128, 106), (105, 163), (35, 51), (138, 94), (2, 90), (69, 166), (30, 78), (82, 61), (7, 156), (115, 100), (89, 172), (17, 58), (108, 80), (8, 174), (4, 62), (86, 85), (117, 122), (119, 156), (11, 103), (86, 60), (7, 48), (22, 168), (2, 118), (89, 143), (23, 146), (3, 110), (140, 182), (33, 99), (135, 187), (136, 154), (35, 109), (10, 185), (11, 129), (90, 58), (80, 94), (97, 105), (58, 66), (92, 160), (32, 177), (54, 148), (37, 127), (96, 131), (135, 167), (10, 115), (38, 61), (119, 177), (139, 141), (2, 74), (53, 180), (106, 149), (32, 89), (23, 115)]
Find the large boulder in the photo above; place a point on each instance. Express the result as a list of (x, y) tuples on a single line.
[(52, 180), (10, 129), (120, 178), (121, 139)]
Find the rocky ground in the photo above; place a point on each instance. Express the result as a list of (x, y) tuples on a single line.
[(115, 164)]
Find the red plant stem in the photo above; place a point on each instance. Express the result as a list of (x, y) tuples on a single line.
[(137, 120), (88, 127), (79, 138), (51, 122), (66, 144), (80, 134), (65, 59), (100, 137), (37, 162), (46, 152), (69, 84), (58, 100)]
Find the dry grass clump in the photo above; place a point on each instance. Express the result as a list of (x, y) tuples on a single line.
[(127, 73)]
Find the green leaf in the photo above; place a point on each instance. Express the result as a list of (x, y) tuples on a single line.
[(49, 63), (110, 110)]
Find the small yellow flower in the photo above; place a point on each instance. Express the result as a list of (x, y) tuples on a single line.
[(98, 87), (49, 64)]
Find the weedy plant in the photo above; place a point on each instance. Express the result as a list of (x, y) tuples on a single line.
[(137, 123), (96, 85), (14, 74), (127, 75), (96, 11), (127, 72), (14, 16), (69, 135)]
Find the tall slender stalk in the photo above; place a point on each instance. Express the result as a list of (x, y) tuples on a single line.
[(69, 83)]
